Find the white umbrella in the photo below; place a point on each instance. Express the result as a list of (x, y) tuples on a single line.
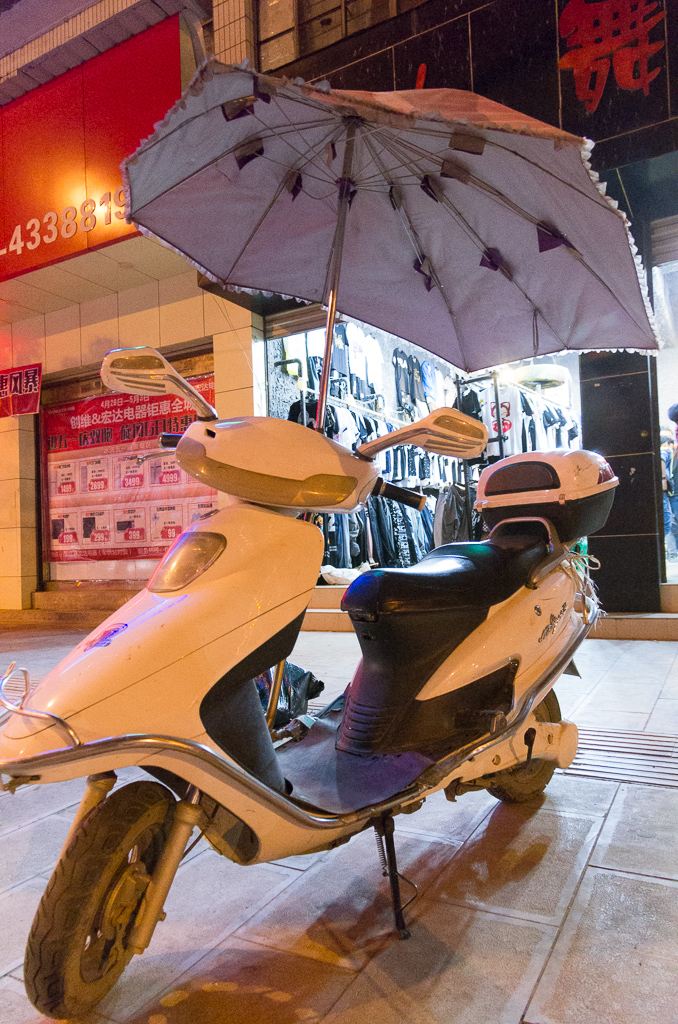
[(439, 216)]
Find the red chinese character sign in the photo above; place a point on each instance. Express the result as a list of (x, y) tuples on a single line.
[(604, 34), (101, 503), (20, 390)]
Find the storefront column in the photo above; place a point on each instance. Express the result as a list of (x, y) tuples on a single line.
[(239, 378), (619, 420), (18, 518), (234, 33)]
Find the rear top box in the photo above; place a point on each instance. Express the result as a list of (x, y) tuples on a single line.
[(574, 490)]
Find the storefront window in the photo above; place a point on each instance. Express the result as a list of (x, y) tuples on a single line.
[(378, 383), (665, 294)]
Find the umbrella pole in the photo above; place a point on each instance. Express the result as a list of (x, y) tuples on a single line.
[(345, 189)]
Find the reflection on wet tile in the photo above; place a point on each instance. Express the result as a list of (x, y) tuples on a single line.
[(569, 793), (16, 1008), (615, 960), (209, 899), (451, 820), (641, 832), (242, 983), (33, 849), (340, 911), (521, 860), (17, 910), (460, 966)]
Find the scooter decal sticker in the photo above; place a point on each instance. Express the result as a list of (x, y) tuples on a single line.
[(553, 622), (104, 638)]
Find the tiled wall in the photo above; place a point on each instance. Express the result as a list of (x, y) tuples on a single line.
[(18, 533), (161, 313), (165, 312), (234, 30)]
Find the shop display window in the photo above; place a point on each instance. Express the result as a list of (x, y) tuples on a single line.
[(378, 383)]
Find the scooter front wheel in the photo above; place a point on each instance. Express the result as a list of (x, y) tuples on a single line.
[(77, 948), (523, 782)]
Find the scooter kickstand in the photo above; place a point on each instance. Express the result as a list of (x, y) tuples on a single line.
[(385, 829)]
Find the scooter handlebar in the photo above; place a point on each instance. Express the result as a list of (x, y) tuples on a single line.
[(406, 497), (170, 440)]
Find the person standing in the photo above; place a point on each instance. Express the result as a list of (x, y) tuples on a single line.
[(669, 492)]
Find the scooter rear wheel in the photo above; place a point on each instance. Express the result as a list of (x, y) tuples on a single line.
[(524, 782), (77, 948)]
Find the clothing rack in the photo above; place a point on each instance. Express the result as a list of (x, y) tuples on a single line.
[(361, 409), (531, 392)]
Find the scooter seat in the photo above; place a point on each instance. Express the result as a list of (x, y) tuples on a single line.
[(460, 575)]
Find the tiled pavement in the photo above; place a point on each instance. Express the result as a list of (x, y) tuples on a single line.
[(561, 912)]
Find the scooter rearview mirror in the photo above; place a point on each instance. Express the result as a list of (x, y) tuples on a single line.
[(143, 371), (443, 432)]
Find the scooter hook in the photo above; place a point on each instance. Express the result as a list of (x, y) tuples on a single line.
[(529, 737)]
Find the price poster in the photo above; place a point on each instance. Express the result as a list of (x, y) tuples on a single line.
[(164, 471), (167, 522), (94, 476), (198, 509), (128, 474), (64, 530), (63, 476), (96, 527), (102, 504), (130, 525)]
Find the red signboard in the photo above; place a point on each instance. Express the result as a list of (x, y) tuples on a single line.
[(101, 503), (20, 390), (62, 145)]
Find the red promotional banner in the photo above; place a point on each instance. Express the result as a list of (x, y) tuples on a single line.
[(102, 504), (61, 146), (20, 390)]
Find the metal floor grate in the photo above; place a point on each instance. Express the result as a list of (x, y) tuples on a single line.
[(650, 758)]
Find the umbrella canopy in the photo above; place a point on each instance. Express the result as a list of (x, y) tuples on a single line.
[(459, 224)]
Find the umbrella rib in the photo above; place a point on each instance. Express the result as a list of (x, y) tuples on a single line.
[(265, 214), (310, 157), (333, 134), (449, 205), (211, 163), (451, 208), (411, 231), (496, 195), (506, 149)]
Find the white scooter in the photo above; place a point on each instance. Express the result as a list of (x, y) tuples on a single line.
[(454, 690)]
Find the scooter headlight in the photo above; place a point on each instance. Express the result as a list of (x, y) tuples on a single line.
[(186, 560)]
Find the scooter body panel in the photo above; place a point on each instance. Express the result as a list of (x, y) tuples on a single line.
[(532, 627), (148, 666)]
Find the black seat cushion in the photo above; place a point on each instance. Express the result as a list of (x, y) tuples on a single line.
[(408, 621), (462, 575)]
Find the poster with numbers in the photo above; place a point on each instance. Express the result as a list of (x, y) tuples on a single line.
[(101, 503)]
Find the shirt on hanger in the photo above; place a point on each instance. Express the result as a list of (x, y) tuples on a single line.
[(375, 363), (340, 357), (356, 349), (315, 342), (402, 379)]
